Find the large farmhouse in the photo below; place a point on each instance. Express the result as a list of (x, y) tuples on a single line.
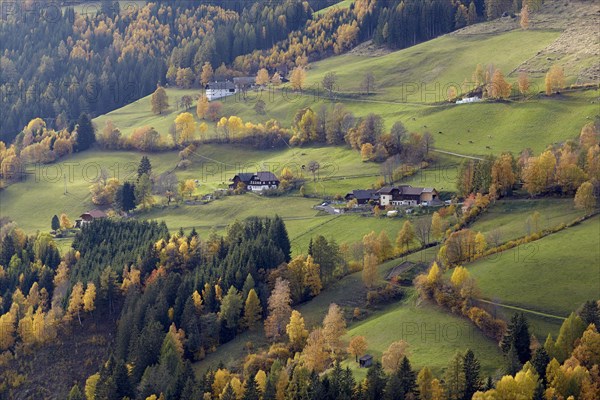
[(217, 90), (255, 182), (406, 195)]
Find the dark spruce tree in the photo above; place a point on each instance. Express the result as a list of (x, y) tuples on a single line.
[(540, 361), (145, 167), (125, 197), (376, 382), (251, 391), (472, 369), (590, 314), (517, 336), (86, 134), (55, 224)]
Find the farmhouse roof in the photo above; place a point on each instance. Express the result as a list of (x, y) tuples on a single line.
[(364, 194), (95, 214), (244, 176), (387, 190), (244, 80), (265, 176), (224, 85)]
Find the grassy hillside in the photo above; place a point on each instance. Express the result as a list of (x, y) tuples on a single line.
[(555, 274), (447, 60), (433, 337), (509, 217)]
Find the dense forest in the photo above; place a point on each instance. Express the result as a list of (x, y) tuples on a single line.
[(57, 64)]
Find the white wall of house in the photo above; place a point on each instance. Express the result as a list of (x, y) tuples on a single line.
[(259, 188), (385, 199), (212, 94)]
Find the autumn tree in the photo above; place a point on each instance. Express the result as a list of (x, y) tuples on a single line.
[(276, 79), (8, 323), (89, 297), (202, 107), (369, 273), (252, 310), (392, 357), (296, 330), (334, 327), (279, 310), (262, 77), (314, 355), (297, 78), (584, 198), (499, 87), (437, 226), (555, 79), (357, 346), (75, 303), (406, 237), (65, 222), (186, 127), (207, 73), (159, 100), (424, 383), (524, 17)]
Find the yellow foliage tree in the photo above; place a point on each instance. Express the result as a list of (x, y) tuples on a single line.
[(500, 88), (252, 310), (65, 222), (358, 346), (262, 77), (261, 380), (296, 330), (297, 78), (584, 198), (459, 276), (555, 79), (75, 303), (89, 297), (312, 276), (334, 327), (367, 152), (314, 355), (202, 107), (8, 323), (406, 236), (207, 73), (185, 126), (369, 272)]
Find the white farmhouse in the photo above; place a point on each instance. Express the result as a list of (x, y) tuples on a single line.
[(216, 90)]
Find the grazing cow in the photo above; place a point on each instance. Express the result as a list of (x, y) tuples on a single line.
[(470, 141), (440, 132), (457, 142), (487, 147)]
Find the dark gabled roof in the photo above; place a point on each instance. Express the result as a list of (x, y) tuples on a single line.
[(412, 191), (265, 176), (95, 214), (244, 80), (387, 190), (366, 357), (221, 85), (244, 176), (365, 194)]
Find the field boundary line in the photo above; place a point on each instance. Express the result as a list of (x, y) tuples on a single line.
[(522, 309)]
